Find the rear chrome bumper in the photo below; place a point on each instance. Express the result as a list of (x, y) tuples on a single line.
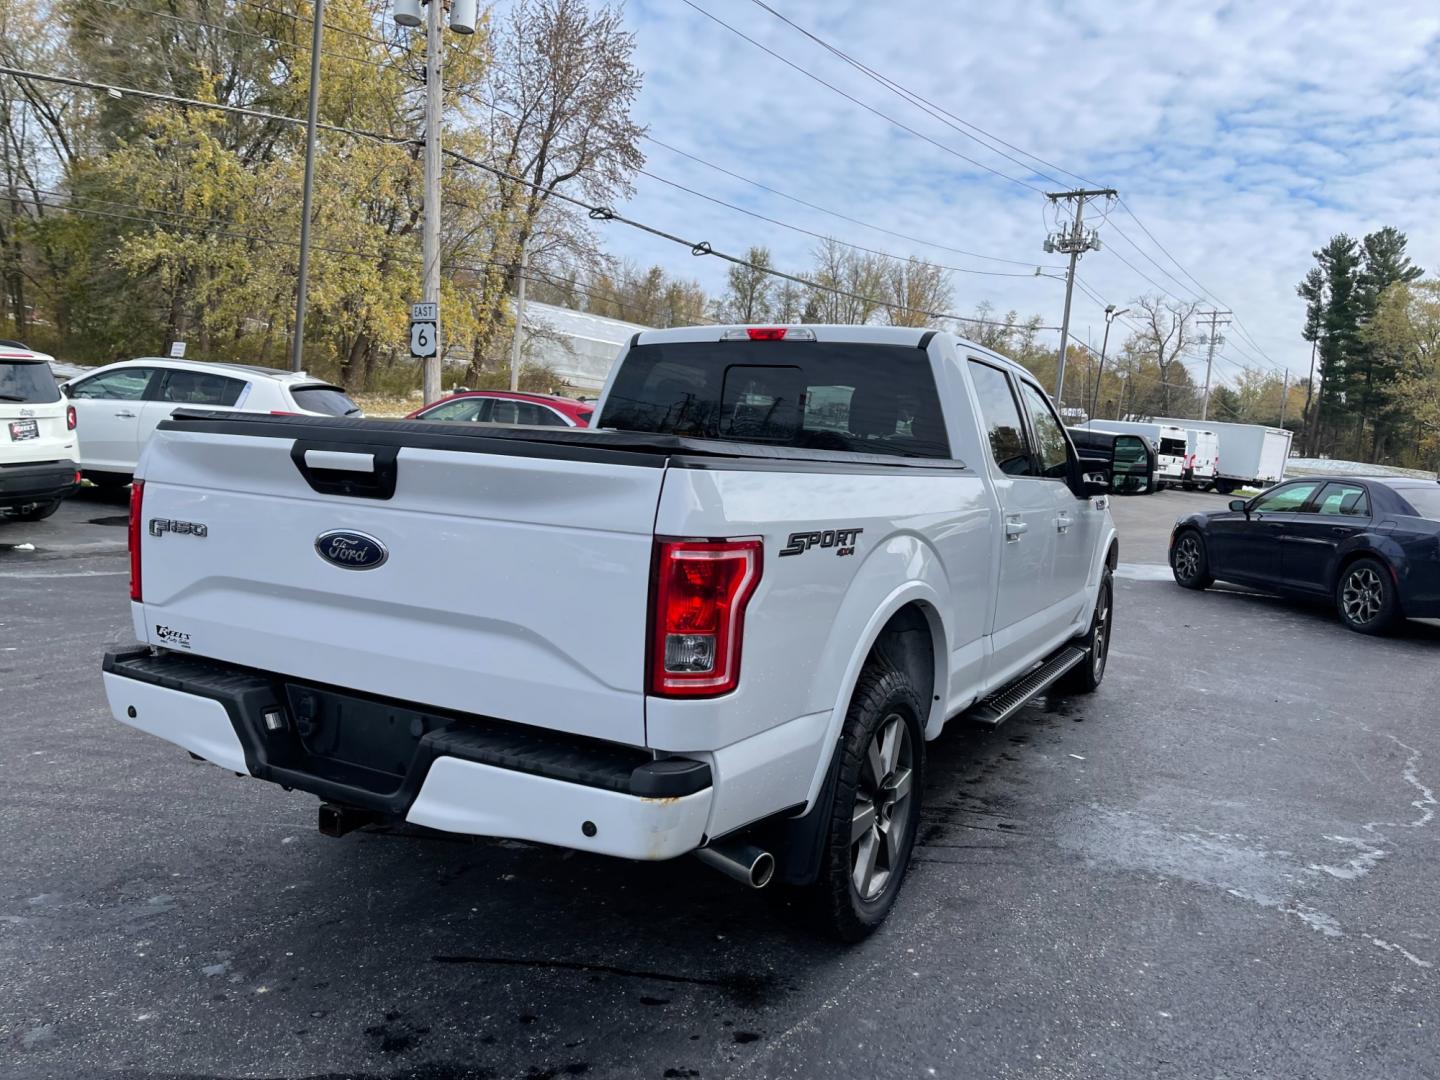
[(462, 774)]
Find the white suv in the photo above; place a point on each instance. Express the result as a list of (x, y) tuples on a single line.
[(119, 406), (37, 437)]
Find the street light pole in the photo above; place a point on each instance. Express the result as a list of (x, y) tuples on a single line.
[(297, 346), (430, 230), (1110, 316)]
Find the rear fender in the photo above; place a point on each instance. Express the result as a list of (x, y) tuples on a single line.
[(870, 602)]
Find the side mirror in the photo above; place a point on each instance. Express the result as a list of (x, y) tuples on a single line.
[(1238, 505), (65, 388), (1094, 474)]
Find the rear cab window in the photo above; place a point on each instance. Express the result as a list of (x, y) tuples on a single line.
[(818, 395), (30, 381), (327, 400)]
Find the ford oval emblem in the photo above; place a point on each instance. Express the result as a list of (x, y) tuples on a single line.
[(351, 550)]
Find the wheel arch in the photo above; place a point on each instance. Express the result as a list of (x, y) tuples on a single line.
[(897, 629)]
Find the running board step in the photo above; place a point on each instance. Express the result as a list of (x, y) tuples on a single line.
[(1004, 704)]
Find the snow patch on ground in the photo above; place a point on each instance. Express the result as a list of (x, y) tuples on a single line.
[(1299, 466)]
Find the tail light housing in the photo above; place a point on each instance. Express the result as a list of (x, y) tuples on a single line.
[(137, 501), (70, 418), (699, 594)]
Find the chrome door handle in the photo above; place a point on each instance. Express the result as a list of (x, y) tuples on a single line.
[(1063, 523), (126, 415), (1014, 529)]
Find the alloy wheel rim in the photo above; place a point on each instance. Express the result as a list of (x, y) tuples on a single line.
[(1187, 558), (1362, 596), (1100, 646), (882, 808)]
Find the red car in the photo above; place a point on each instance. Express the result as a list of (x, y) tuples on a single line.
[(504, 407)]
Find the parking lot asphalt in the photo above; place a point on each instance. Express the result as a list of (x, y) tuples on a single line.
[(1222, 865)]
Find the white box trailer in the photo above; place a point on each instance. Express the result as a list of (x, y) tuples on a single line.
[(1202, 457), (1250, 454), (1170, 444)]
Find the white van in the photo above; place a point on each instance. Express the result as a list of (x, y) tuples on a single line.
[(1202, 458), (37, 437)]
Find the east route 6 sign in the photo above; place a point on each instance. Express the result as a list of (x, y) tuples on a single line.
[(422, 339)]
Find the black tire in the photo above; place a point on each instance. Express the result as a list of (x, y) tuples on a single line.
[(1190, 561), (1225, 487), (1086, 676), (1365, 597), (882, 698), (39, 513)]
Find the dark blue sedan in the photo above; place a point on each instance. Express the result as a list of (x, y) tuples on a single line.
[(1371, 545)]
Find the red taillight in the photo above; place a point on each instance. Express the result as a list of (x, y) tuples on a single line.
[(137, 498), (700, 591), (69, 417), (767, 333)]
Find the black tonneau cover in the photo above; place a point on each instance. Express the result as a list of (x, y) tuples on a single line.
[(620, 447)]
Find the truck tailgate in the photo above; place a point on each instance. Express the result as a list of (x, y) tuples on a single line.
[(514, 586)]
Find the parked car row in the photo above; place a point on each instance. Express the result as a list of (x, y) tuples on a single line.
[(95, 423)]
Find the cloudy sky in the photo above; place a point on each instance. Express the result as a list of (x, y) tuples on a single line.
[(1241, 134)]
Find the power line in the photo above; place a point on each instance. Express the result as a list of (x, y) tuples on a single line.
[(940, 113), (823, 236), (596, 212), (864, 105), (832, 213), (300, 46), (936, 111)]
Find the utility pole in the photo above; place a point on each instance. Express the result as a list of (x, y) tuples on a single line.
[(462, 20), (430, 232), (1217, 318), (1110, 316), (519, 315), (1073, 241), (297, 347)]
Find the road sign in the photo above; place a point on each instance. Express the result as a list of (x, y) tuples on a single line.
[(422, 338), (177, 349), (425, 313)]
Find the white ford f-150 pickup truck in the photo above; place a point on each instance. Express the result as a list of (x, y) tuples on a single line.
[(725, 621)]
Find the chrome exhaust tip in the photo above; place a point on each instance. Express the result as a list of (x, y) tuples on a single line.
[(746, 863)]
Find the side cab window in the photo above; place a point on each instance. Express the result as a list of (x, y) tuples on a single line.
[(1000, 419), (1052, 446)]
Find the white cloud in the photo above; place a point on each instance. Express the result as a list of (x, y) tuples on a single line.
[(1243, 134)]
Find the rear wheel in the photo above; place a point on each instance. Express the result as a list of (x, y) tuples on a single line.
[(1085, 677), (1190, 562), (1365, 597), (1225, 487), (877, 806)]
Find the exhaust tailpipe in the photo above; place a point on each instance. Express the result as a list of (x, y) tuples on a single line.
[(336, 820), (746, 863)]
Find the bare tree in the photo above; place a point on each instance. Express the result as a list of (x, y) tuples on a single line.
[(748, 289), (918, 289), (562, 85), (1167, 334), (849, 284)]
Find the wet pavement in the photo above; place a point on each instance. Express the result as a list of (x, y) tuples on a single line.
[(1222, 865)]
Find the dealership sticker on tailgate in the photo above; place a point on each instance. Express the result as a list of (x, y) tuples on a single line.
[(177, 639), (24, 429)]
